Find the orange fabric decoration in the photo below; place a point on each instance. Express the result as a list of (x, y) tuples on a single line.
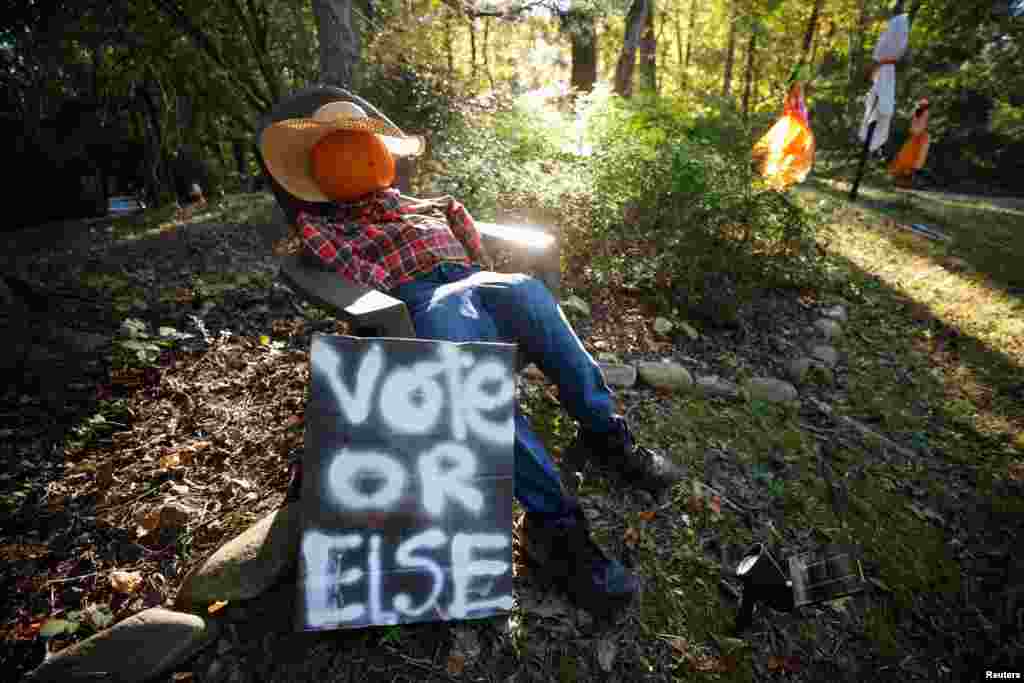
[(349, 164), (785, 154), (914, 152)]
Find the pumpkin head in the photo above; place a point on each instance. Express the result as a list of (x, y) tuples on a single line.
[(348, 164)]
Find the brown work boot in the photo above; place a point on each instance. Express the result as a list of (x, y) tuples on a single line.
[(617, 454)]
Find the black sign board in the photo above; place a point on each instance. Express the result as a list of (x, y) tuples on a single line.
[(407, 482)]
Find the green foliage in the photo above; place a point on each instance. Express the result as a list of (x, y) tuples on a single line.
[(679, 214)]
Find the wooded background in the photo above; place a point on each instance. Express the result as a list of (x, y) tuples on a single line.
[(112, 97)]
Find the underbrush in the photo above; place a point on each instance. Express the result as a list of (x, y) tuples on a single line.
[(650, 197)]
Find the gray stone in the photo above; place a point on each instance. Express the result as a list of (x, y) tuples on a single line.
[(139, 648), (828, 329), (618, 375), (826, 354), (608, 357), (663, 326), (670, 376), (797, 369), (577, 305), (837, 313), (713, 385), (771, 390), (690, 330), (247, 565)]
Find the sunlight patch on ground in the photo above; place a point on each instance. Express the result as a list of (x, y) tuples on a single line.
[(963, 301)]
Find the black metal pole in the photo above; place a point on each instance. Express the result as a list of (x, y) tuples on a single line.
[(863, 159)]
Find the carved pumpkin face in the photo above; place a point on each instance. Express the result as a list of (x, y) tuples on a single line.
[(348, 164)]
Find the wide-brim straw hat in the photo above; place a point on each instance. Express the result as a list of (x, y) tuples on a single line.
[(286, 145)]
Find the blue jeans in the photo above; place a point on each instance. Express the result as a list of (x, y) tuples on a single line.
[(462, 303)]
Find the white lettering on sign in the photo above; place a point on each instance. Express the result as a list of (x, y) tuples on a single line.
[(412, 399), (326, 597), (356, 405), (373, 481), (376, 471), (465, 568), (432, 539), (445, 471)]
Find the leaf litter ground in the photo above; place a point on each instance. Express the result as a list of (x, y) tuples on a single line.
[(106, 515)]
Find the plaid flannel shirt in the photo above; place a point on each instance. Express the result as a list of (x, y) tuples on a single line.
[(381, 242)]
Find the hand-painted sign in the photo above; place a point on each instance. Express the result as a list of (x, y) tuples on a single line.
[(407, 482)]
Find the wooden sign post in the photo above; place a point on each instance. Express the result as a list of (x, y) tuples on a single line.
[(408, 482)]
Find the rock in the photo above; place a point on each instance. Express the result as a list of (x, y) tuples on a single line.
[(771, 390), (828, 329), (826, 354), (665, 376), (139, 648), (690, 331), (247, 565), (533, 372), (576, 304), (663, 326), (618, 375), (608, 357), (837, 313), (713, 385), (798, 368)]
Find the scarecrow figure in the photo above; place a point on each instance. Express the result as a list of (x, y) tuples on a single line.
[(881, 101), (914, 153), (428, 254), (785, 154)]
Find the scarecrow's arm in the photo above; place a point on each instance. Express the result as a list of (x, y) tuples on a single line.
[(464, 229), (338, 254)]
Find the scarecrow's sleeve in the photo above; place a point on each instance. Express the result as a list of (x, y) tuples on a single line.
[(338, 254), (464, 229)]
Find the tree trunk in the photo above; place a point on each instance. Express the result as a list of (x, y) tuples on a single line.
[(856, 57), (448, 47), (486, 50), (635, 21), (155, 174), (240, 162), (339, 42), (812, 26), (730, 53), (648, 54), (689, 40), (581, 28), (751, 46), (472, 49)]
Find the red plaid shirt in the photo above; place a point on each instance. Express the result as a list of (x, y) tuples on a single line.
[(382, 242)]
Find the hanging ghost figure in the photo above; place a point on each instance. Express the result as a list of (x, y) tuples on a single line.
[(881, 100)]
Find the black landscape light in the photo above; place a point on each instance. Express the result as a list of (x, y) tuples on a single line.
[(816, 576)]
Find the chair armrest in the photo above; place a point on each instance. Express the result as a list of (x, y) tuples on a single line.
[(536, 248), (370, 312)]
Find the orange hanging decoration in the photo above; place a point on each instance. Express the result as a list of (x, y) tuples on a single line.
[(785, 154), (914, 152)]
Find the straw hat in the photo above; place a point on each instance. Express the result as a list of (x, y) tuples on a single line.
[(286, 145)]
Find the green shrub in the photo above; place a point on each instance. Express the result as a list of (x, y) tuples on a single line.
[(678, 212)]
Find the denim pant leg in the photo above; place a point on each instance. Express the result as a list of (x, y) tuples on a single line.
[(451, 313), (525, 312)]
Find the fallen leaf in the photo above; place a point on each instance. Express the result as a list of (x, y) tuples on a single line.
[(55, 627), (216, 606), (1016, 471), (179, 489), (715, 503), (456, 663), (695, 504), (788, 664), (680, 645), (606, 651), (631, 537), (146, 521), (169, 462), (125, 582), (13, 552), (706, 663), (648, 515)]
